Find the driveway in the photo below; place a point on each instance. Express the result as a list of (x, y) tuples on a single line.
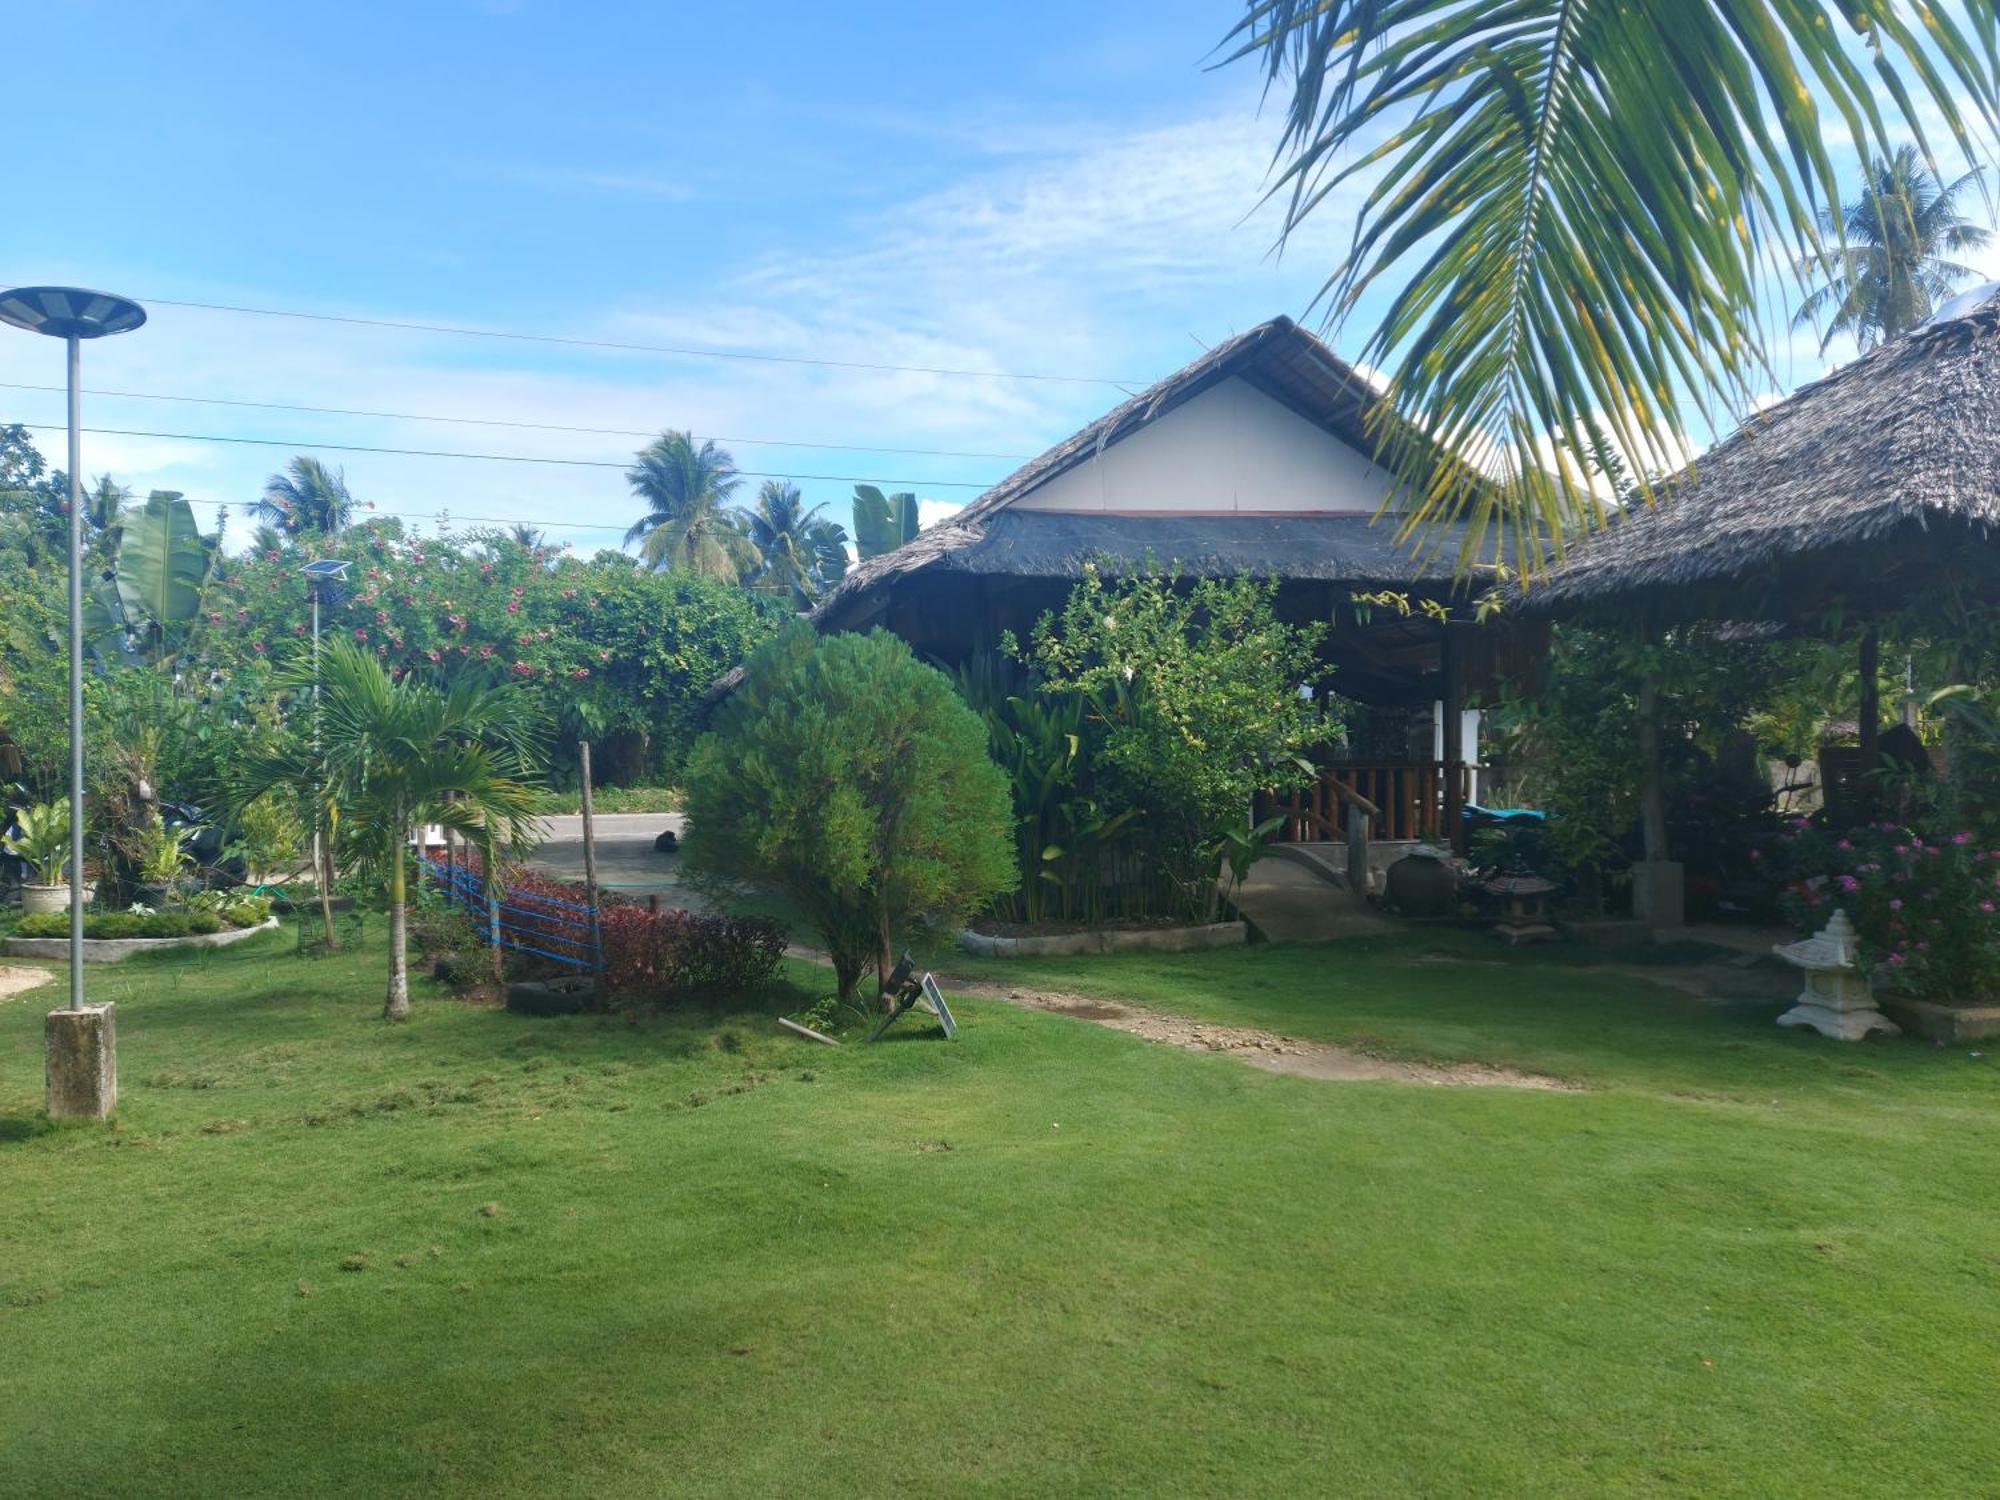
[(626, 859)]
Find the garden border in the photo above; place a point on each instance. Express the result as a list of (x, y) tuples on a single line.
[(1108, 940), (117, 950)]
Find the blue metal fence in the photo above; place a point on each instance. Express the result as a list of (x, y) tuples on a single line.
[(525, 921)]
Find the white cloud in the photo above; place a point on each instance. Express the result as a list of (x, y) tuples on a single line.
[(1081, 252)]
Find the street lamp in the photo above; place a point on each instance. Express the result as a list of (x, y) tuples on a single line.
[(83, 1068)]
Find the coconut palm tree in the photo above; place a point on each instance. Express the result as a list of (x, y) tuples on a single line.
[(781, 527), (307, 497), (829, 548), (395, 754), (1563, 210), (688, 523), (527, 538), (1887, 263)]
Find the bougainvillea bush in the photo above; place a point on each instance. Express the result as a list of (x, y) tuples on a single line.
[(626, 652), (1925, 901)]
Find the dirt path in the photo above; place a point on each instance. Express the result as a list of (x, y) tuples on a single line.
[(1267, 1049), (14, 981)]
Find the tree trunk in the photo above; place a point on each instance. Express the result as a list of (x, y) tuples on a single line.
[(323, 878), (397, 1007), (885, 960), (847, 976)]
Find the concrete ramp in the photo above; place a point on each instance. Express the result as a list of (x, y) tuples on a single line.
[(1290, 900)]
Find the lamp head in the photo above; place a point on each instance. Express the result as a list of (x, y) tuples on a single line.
[(69, 312)]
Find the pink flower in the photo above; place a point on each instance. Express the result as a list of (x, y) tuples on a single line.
[(361, 632), (1987, 906), (1961, 838), (1895, 906), (1843, 844), (1902, 849), (484, 652), (1849, 883), (1896, 958), (434, 654)]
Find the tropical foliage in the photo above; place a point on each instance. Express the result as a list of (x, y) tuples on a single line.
[(800, 554), (849, 776), (882, 523), (1566, 208), (461, 751), (688, 522), (1889, 257), (308, 498), (1176, 700)]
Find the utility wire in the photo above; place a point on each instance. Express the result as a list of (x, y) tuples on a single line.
[(502, 458), (686, 351), (413, 416)]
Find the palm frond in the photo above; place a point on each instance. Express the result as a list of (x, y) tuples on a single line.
[(1573, 202)]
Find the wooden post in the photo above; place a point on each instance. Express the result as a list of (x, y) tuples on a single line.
[(590, 864), (1453, 651), (1868, 717)]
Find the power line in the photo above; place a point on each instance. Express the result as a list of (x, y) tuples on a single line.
[(413, 416), (500, 458), (685, 351)]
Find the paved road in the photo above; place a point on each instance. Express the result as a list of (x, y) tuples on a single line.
[(626, 860)]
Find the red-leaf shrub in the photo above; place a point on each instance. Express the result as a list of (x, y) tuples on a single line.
[(650, 957), (665, 956)]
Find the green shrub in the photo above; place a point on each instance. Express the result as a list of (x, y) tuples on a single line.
[(121, 924), (850, 776)]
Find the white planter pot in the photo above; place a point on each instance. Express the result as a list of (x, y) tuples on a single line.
[(44, 898)]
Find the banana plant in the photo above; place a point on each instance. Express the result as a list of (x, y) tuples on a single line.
[(153, 588), (882, 523)]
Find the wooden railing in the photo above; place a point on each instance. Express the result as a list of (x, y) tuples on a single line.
[(1408, 798)]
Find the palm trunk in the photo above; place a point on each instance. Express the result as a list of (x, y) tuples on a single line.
[(398, 1006), (323, 878)]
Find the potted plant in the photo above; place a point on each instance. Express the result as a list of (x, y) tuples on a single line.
[(161, 855), (42, 841)]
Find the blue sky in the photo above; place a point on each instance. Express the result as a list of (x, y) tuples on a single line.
[(1031, 187)]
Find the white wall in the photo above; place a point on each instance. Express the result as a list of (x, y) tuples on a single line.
[(1230, 449)]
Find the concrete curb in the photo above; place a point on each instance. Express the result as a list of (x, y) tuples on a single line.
[(1110, 940), (117, 950)]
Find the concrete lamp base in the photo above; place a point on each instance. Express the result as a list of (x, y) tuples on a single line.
[(83, 1062)]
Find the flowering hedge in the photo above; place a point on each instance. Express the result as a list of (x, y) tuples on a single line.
[(619, 648), (1926, 903)]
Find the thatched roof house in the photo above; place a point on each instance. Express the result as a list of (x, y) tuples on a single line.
[(1255, 459), (1863, 489)]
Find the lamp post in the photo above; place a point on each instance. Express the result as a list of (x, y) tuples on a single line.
[(82, 1058), (319, 574)]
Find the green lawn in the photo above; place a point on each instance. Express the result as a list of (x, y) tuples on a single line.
[(698, 1258)]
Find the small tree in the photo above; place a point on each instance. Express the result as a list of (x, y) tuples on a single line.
[(1199, 686), (398, 753), (850, 776)]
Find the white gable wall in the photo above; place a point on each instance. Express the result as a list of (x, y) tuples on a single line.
[(1232, 449)]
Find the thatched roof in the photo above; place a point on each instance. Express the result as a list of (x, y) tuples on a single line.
[(1280, 359), (1852, 490)]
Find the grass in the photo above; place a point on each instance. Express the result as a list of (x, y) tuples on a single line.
[(619, 799), (488, 1255)]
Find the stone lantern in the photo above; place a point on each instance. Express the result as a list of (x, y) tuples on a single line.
[(1836, 1000), (1524, 902)]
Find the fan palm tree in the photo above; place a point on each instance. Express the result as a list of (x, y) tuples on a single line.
[(307, 497), (781, 527), (396, 754), (1563, 209), (1887, 265), (688, 523)]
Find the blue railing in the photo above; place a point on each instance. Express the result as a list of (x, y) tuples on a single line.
[(524, 921)]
